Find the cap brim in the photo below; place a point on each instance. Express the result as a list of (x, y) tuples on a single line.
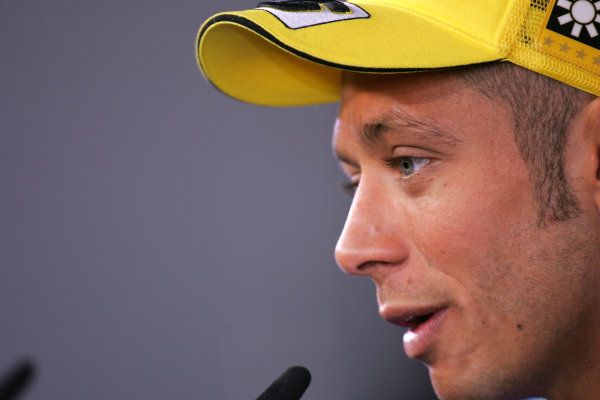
[(253, 56)]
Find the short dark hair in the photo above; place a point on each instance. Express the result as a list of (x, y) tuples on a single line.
[(542, 110)]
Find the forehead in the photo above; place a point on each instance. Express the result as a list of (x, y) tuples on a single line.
[(438, 102)]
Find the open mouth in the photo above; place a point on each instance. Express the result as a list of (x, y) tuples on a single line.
[(413, 321), (422, 324)]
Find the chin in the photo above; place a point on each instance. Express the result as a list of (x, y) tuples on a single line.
[(474, 385)]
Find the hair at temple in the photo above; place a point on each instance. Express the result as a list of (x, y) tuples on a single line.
[(542, 110)]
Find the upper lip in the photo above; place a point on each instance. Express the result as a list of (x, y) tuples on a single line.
[(409, 317)]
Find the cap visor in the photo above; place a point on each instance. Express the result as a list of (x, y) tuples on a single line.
[(253, 56)]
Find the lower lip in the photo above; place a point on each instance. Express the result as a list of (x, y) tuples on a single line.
[(416, 341)]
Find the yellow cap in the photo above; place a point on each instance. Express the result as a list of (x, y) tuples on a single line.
[(286, 53)]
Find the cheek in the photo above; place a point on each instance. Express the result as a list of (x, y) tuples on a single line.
[(472, 230)]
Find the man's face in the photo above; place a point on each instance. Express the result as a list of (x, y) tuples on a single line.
[(444, 222)]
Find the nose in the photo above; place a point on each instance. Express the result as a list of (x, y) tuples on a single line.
[(372, 238)]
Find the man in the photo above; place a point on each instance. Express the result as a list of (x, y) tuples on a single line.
[(476, 178)]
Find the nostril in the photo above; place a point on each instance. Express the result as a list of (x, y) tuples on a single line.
[(364, 267), (350, 262)]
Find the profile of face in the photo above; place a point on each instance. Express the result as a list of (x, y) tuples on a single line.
[(443, 220)]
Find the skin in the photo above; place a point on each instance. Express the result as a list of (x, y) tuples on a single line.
[(461, 232)]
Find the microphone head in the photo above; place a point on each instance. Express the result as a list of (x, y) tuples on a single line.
[(291, 385), (16, 380)]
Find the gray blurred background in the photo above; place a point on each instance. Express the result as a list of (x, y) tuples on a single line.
[(159, 240)]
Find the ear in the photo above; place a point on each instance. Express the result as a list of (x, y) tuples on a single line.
[(585, 140), (598, 171)]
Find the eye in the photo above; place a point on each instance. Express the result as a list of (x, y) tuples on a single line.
[(409, 165), (349, 188)]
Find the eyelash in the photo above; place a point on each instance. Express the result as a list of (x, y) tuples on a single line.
[(350, 187)]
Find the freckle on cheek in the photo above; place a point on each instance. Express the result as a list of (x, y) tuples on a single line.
[(520, 327)]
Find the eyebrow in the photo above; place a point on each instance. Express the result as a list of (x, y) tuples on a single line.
[(402, 124), (399, 123)]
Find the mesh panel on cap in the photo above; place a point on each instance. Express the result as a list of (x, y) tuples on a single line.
[(523, 43)]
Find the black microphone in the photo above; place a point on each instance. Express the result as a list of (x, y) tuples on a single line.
[(291, 385), (13, 383)]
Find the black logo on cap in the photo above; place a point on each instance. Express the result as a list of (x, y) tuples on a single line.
[(335, 6)]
